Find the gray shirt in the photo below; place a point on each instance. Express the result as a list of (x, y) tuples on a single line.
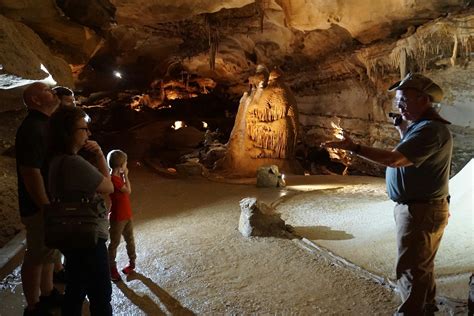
[(428, 144), (72, 178)]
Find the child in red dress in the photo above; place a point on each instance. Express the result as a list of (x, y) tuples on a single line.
[(120, 213)]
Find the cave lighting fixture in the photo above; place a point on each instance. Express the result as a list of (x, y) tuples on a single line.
[(338, 131), (48, 80), (177, 125), (312, 187), (118, 74), (283, 193)]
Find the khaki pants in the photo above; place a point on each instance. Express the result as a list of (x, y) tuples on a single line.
[(420, 227), (36, 250), (116, 231)]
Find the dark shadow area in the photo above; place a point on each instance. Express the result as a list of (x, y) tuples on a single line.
[(146, 304), (321, 233)]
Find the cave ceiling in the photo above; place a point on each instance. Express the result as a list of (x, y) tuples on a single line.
[(223, 40)]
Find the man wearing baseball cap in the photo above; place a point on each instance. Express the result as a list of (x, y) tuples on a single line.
[(417, 178)]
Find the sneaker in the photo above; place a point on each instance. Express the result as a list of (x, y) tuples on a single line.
[(59, 276), (129, 269), (114, 274), (55, 299)]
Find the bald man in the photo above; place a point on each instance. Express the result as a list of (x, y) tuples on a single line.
[(31, 152)]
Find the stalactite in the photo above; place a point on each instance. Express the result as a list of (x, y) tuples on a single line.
[(286, 7), (259, 4), (429, 43), (213, 46), (271, 123), (213, 36), (272, 139), (269, 113), (455, 51), (403, 63)]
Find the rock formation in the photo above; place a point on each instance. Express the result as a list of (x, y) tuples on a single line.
[(266, 127), (259, 219), (338, 56)]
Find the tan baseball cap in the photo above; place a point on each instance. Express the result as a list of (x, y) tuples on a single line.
[(420, 83)]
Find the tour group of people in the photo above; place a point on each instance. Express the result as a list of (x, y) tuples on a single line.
[(417, 177), (56, 157)]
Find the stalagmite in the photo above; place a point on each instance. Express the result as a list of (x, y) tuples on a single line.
[(266, 127)]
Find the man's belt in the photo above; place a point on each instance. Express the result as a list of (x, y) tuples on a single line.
[(431, 201)]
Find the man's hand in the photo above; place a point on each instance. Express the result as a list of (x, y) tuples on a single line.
[(346, 143), (400, 124), (33, 180), (396, 118)]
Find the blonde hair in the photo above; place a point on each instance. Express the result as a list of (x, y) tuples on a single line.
[(116, 158)]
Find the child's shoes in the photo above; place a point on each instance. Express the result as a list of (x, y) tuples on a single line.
[(129, 269), (114, 274)]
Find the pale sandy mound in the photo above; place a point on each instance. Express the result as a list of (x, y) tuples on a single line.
[(456, 253)]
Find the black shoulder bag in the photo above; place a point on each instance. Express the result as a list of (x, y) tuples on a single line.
[(72, 225)]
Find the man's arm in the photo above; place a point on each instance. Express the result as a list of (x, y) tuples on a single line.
[(34, 184), (389, 158), (384, 157)]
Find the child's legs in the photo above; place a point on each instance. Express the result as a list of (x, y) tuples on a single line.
[(129, 240), (115, 231)]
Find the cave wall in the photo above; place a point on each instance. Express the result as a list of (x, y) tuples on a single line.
[(22, 52), (338, 57), (350, 89)]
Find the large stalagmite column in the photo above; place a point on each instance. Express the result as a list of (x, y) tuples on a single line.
[(265, 129)]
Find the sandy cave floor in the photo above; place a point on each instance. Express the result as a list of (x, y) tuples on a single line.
[(192, 259)]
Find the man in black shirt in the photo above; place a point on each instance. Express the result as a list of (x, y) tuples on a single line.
[(31, 154)]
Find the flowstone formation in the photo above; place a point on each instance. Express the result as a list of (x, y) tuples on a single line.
[(266, 127)]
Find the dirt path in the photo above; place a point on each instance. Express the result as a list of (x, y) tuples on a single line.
[(191, 252)]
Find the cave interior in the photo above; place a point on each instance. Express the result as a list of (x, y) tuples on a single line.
[(142, 69)]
